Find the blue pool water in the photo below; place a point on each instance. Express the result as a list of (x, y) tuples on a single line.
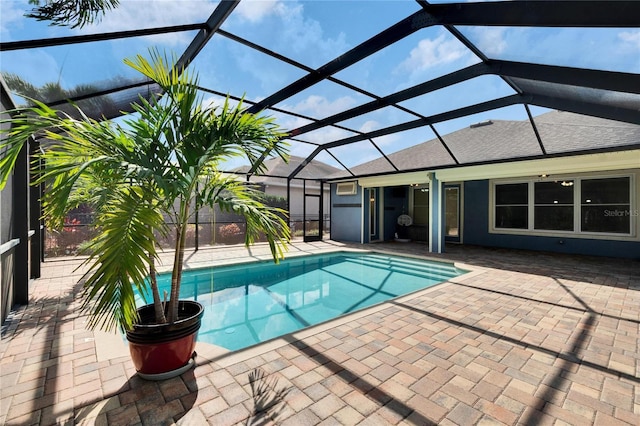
[(253, 302)]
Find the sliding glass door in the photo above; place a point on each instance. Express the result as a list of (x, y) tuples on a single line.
[(452, 229)]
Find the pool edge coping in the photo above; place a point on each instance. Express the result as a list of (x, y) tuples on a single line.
[(111, 346), (233, 357)]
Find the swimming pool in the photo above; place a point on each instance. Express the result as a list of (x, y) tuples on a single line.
[(251, 303)]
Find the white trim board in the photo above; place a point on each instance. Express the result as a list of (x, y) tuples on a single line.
[(394, 180), (619, 160)]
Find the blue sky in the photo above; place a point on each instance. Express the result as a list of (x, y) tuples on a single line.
[(313, 33)]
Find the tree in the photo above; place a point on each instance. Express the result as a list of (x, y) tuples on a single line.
[(53, 92), (72, 13), (163, 158)]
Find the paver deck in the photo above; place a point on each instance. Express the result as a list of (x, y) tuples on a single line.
[(526, 338)]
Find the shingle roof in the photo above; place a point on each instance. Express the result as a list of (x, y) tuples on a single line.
[(339, 95), (567, 132), (278, 167), (496, 141), (560, 132)]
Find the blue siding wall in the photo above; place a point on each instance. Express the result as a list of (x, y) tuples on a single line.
[(476, 231), (346, 216)]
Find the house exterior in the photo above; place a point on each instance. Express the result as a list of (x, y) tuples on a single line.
[(303, 193), (508, 184)]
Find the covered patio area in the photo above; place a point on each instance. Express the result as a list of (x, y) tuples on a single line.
[(524, 338)]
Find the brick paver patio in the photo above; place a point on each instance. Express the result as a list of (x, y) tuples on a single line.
[(526, 338)]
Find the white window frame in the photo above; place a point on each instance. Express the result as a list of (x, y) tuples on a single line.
[(346, 188), (412, 203), (577, 204), (493, 204)]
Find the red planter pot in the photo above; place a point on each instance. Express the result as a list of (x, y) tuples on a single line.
[(159, 349)]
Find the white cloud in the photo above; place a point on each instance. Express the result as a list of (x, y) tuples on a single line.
[(629, 51), (255, 65), (289, 122), (325, 134), (298, 36), (387, 140), (369, 126), (256, 10), (301, 150), (129, 15), (433, 52), (12, 16), (215, 101), (306, 36), (37, 60), (631, 37), (134, 14), (315, 106), (490, 41), (319, 106)]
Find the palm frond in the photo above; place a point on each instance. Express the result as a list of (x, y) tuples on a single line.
[(121, 258), (22, 124), (262, 220), (71, 13), (165, 155)]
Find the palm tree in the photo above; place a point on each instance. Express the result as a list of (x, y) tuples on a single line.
[(162, 161), (72, 13), (54, 93)]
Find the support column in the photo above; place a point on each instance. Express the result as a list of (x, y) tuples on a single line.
[(321, 212), (291, 223), (436, 210), (36, 224), (20, 219)]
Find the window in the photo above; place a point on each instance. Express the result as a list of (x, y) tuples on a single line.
[(452, 211), (578, 205), (553, 205), (421, 206), (512, 209), (346, 188), (606, 205)]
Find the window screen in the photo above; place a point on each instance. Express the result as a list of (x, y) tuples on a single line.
[(553, 205), (512, 205), (606, 205)]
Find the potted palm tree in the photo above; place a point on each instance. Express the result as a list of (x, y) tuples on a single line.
[(161, 162)]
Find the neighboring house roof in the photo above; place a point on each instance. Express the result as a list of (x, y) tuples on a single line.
[(560, 133), (278, 167)]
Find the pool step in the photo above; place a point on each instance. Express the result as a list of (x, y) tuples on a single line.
[(429, 270)]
